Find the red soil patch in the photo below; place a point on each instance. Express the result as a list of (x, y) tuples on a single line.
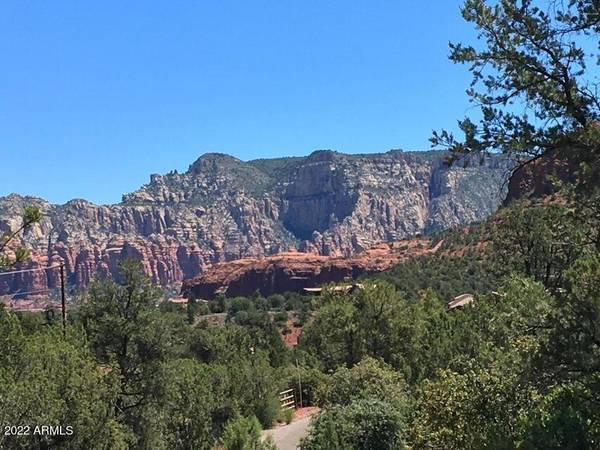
[(307, 411), (291, 333)]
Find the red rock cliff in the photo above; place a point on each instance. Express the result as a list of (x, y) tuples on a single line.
[(294, 271), (224, 209)]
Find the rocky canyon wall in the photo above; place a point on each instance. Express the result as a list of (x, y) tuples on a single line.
[(222, 209)]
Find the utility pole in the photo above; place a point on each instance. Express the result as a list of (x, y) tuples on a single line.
[(62, 295)]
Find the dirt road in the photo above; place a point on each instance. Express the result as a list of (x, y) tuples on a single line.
[(287, 437)]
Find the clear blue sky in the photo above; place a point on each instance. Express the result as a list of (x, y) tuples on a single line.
[(95, 96)]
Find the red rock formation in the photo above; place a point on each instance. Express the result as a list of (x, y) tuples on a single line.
[(294, 271), (538, 179), (223, 209), (164, 263), (291, 333)]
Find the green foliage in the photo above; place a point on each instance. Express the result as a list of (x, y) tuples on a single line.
[(31, 322), (192, 309), (191, 406), (564, 420), (49, 379), (276, 301), (310, 378), (265, 403), (238, 304), (502, 358), (132, 339), (21, 254), (361, 425), (413, 337), (446, 276), (573, 349), (243, 433), (280, 319), (469, 411), (533, 81), (245, 370), (502, 396), (31, 215), (350, 327), (540, 242), (236, 341), (519, 310), (224, 344), (288, 416), (369, 379)]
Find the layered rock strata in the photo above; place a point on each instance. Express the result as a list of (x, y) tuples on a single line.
[(295, 271), (223, 209)]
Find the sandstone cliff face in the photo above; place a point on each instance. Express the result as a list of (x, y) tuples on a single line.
[(540, 178), (223, 209), (294, 271)]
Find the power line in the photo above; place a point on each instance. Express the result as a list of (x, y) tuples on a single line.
[(30, 270), (62, 290), (29, 292)]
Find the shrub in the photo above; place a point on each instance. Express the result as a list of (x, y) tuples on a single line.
[(267, 410), (243, 433), (368, 379), (286, 416), (362, 425)]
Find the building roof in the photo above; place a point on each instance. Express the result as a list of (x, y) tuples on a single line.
[(460, 301)]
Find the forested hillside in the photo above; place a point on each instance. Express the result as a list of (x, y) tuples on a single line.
[(390, 364), (387, 361)]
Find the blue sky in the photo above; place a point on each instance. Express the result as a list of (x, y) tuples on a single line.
[(95, 96)]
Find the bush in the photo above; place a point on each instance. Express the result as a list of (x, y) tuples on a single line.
[(237, 304), (311, 379), (267, 410), (362, 425), (280, 318), (276, 301), (217, 305), (288, 415), (367, 379), (243, 433)]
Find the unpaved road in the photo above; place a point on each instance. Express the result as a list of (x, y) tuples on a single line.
[(287, 437)]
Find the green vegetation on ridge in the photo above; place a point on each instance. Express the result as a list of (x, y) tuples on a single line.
[(389, 364)]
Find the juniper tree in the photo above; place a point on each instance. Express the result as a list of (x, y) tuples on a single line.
[(535, 82)]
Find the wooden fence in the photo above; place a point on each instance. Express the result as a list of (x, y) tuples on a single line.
[(287, 399)]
